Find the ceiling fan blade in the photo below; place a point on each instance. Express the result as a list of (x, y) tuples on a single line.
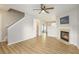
[(50, 8), (46, 11), (36, 9), (40, 11)]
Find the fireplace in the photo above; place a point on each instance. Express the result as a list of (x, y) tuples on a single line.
[(64, 35)]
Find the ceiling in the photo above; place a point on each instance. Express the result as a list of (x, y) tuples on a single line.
[(28, 9)]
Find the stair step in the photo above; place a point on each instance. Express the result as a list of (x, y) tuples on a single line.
[(3, 43)]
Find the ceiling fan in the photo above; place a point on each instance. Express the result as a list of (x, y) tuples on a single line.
[(43, 8)]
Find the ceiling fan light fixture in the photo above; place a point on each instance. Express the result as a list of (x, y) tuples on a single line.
[(43, 11)]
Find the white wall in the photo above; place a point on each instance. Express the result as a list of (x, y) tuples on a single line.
[(22, 30), (72, 26), (0, 27), (52, 30), (78, 26), (0, 37)]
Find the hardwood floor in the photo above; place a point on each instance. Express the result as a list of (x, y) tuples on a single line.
[(39, 46)]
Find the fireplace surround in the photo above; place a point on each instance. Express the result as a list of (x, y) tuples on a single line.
[(64, 35)]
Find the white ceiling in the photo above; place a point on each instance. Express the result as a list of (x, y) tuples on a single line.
[(28, 9), (59, 8)]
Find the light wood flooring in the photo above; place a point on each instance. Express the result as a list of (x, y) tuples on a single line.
[(39, 46)]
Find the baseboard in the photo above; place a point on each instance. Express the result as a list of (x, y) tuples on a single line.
[(16, 42), (21, 40)]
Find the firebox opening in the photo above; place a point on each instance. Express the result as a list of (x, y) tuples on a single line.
[(65, 35)]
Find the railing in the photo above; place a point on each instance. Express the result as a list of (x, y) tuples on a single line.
[(5, 33), (14, 22), (17, 19)]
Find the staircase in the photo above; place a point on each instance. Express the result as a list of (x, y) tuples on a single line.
[(12, 16)]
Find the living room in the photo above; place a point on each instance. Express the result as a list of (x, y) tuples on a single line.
[(59, 25)]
